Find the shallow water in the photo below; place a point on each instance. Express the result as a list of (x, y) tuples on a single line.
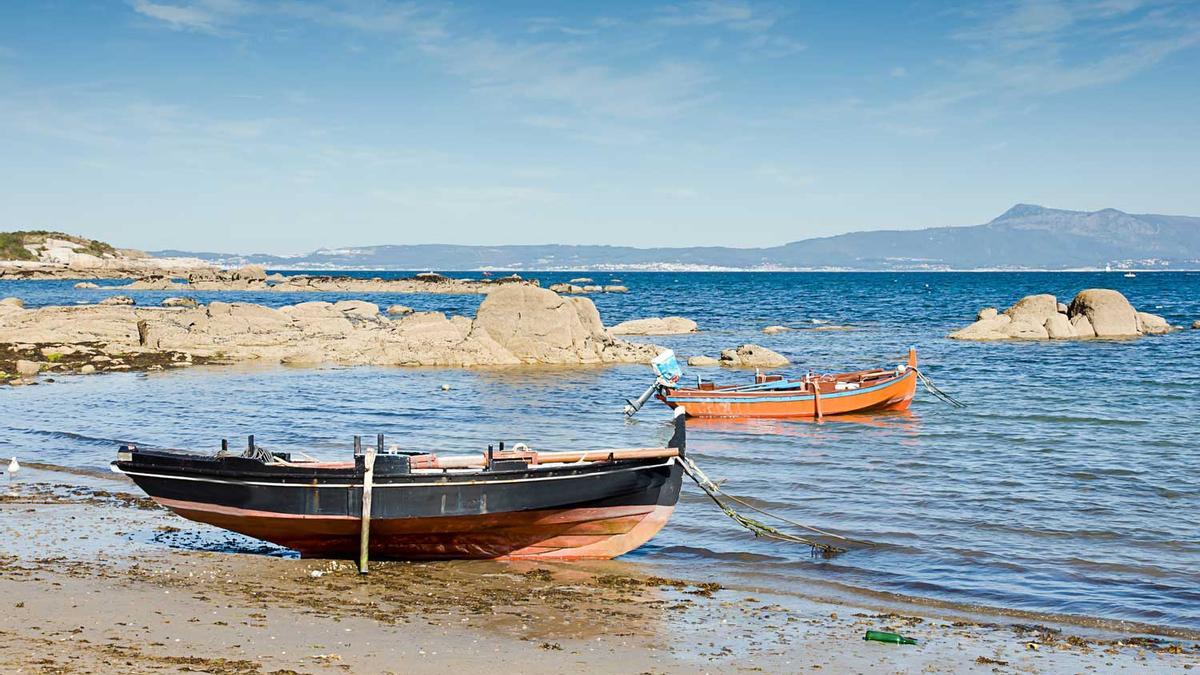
[(1069, 485)]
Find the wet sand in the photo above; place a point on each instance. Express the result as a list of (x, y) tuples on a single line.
[(95, 577)]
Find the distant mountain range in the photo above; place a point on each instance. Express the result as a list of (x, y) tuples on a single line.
[(1024, 237)]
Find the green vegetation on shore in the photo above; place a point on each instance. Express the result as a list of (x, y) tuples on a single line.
[(12, 244)]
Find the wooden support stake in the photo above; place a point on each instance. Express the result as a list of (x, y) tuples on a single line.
[(365, 535), (816, 399)]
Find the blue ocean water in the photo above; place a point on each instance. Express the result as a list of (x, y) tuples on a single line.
[(1070, 484)]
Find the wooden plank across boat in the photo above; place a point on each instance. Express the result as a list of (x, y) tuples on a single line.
[(498, 504), (772, 396)]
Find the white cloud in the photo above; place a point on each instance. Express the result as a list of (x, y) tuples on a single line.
[(467, 199), (1035, 48), (756, 23), (727, 13), (783, 176), (677, 192), (208, 16)]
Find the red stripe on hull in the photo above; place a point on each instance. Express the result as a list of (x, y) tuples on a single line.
[(563, 534)]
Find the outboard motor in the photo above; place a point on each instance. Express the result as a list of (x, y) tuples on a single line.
[(667, 371)]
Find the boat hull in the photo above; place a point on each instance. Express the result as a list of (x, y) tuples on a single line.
[(895, 394), (598, 510)]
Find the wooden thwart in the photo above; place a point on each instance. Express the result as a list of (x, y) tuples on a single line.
[(479, 461)]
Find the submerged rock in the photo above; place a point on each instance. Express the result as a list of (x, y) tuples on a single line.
[(752, 356), (668, 325), (772, 330), (86, 284), (1095, 312)]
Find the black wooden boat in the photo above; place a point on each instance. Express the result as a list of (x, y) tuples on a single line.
[(499, 504)]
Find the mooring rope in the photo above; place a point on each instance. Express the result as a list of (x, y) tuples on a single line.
[(937, 392), (759, 529)]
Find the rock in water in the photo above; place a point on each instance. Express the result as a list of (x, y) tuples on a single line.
[(1058, 327), (1107, 310), (180, 302), (1096, 312), (117, 300), (1196, 325), (1035, 309), (1151, 324), (87, 369), (399, 310), (991, 328), (772, 330), (537, 325), (986, 313), (28, 368), (86, 284), (752, 356), (668, 325), (1082, 326), (702, 361), (250, 273)]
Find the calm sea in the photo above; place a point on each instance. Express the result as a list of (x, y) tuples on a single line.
[(1070, 485)]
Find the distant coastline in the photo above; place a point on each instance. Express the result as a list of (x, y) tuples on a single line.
[(1024, 238)]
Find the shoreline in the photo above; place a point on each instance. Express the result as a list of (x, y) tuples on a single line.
[(103, 552)]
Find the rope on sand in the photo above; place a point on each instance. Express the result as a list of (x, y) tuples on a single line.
[(759, 529)]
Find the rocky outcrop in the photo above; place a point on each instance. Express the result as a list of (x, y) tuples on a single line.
[(56, 255), (399, 310), (1095, 312), (179, 302), (667, 325), (515, 325), (573, 289), (1109, 312), (752, 356), (702, 361), (117, 300), (536, 325), (254, 278), (1196, 325)]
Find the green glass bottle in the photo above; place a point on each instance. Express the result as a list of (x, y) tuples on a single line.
[(891, 638)]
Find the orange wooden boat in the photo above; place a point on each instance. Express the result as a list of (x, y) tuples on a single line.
[(812, 396)]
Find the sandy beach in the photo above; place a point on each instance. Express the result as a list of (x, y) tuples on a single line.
[(95, 576)]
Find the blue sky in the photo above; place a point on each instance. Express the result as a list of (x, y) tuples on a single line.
[(284, 125)]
